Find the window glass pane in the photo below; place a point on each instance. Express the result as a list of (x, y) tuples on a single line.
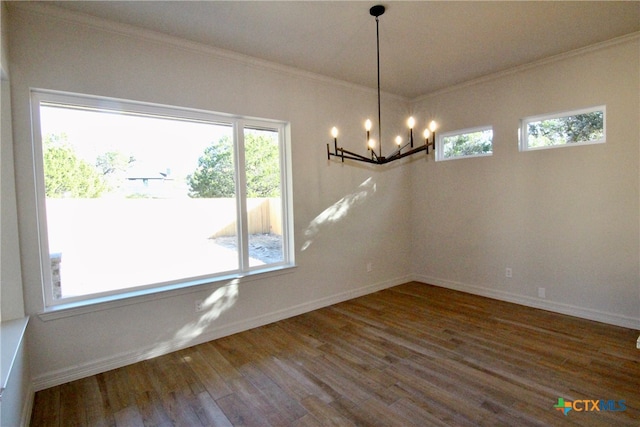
[(466, 143), (134, 199), (264, 203), (562, 130)]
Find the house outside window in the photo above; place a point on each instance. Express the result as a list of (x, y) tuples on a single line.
[(136, 196)]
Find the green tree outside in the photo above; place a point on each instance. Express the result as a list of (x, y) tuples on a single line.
[(67, 175), (262, 165), (113, 166), (214, 176), (566, 130), (468, 144)]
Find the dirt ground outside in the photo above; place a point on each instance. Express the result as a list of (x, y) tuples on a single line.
[(267, 248)]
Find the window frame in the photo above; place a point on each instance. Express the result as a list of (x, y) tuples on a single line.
[(238, 123), (523, 143), (440, 143)]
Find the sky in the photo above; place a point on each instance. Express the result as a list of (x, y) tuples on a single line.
[(155, 143)]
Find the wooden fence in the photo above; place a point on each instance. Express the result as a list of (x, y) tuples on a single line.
[(265, 217)]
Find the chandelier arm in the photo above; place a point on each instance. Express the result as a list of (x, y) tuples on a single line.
[(344, 154), (366, 159), (340, 152), (408, 153), (397, 151)]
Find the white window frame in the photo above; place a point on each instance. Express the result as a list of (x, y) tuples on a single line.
[(441, 137), (524, 128), (239, 123)]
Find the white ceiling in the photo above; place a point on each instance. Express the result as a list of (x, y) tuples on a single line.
[(425, 45)]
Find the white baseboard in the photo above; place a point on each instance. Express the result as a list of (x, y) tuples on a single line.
[(556, 307), (61, 376)]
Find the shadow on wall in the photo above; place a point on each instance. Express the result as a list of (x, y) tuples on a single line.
[(338, 211)]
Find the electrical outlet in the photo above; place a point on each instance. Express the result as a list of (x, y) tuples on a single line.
[(369, 267), (508, 272), (541, 293), (199, 306)]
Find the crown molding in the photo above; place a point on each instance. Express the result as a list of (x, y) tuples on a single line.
[(539, 63), (51, 11), (118, 28)]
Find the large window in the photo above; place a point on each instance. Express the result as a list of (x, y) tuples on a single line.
[(566, 129), (135, 196), (465, 143)]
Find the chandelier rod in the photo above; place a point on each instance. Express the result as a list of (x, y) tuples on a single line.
[(377, 14)]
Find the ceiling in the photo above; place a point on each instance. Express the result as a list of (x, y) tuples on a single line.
[(425, 46)]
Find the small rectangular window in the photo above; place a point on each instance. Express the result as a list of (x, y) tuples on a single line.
[(464, 143), (570, 128)]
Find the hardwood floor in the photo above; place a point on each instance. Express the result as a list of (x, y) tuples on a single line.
[(411, 355)]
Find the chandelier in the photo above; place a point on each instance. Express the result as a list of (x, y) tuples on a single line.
[(402, 150)]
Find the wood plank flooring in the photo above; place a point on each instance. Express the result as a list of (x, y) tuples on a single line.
[(411, 355)]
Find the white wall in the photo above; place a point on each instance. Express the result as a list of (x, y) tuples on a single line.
[(332, 246), (11, 302), (15, 377), (564, 219)]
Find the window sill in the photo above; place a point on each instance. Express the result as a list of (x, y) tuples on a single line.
[(76, 308), (12, 334)]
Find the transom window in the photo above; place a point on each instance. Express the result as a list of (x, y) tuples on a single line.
[(136, 196), (571, 128), (464, 143)]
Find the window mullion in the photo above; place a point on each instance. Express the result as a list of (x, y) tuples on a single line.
[(241, 197), (285, 185)]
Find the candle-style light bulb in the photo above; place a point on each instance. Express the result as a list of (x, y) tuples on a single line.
[(411, 123), (426, 139), (334, 133), (371, 144), (367, 127), (433, 126), (398, 142)]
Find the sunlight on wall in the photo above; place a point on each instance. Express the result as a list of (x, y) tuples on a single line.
[(338, 210), (214, 305)]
